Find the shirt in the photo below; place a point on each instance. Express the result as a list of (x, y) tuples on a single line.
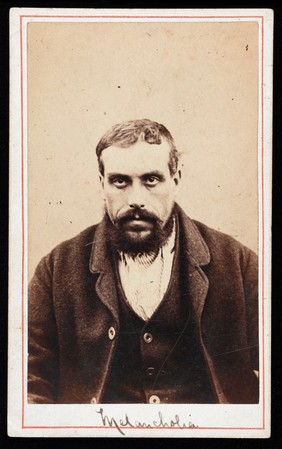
[(145, 277)]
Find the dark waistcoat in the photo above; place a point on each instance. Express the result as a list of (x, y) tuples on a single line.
[(148, 362)]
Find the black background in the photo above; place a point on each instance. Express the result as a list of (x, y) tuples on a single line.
[(275, 441)]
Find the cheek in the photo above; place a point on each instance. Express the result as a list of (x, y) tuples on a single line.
[(114, 201), (163, 201)]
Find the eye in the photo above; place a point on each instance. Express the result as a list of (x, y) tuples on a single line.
[(151, 181), (119, 182)]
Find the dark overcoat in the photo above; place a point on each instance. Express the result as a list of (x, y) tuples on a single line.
[(74, 320)]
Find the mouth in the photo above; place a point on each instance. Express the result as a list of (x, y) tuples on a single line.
[(138, 229), (137, 225)]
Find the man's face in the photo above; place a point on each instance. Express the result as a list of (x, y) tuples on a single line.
[(138, 189)]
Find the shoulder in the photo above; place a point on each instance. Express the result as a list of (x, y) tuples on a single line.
[(72, 251), (67, 264), (78, 242), (215, 236), (221, 246), (225, 249)]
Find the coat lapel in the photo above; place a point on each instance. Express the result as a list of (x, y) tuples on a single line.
[(102, 264), (196, 255)]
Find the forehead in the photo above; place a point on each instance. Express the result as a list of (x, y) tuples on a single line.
[(139, 158)]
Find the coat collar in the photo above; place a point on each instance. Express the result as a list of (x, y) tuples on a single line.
[(196, 248), (196, 255), (196, 251), (102, 264)]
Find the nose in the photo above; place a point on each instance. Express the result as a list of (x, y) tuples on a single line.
[(136, 206), (136, 197)]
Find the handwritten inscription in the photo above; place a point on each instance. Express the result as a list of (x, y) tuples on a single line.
[(160, 422)]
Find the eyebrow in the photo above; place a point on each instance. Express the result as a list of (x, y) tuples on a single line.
[(157, 173), (115, 174)]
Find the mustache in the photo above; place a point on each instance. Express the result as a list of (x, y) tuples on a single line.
[(136, 214)]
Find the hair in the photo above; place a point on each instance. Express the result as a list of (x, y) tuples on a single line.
[(128, 133)]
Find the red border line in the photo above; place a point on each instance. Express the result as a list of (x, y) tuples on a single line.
[(144, 427), (23, 217), (142, 17), (262, 212)]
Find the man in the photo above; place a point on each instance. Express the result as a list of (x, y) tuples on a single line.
[(148, 306)]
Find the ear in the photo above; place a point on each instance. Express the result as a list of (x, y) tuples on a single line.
[(177, 177), (101, 179)]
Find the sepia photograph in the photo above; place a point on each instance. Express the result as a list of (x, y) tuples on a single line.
[(140, 222)]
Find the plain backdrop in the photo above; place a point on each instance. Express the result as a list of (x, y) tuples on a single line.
[(199, 79)]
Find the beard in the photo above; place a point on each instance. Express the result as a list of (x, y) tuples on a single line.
[(139, 231)]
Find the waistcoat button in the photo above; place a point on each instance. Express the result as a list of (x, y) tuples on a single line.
[(93, 401), (154, 399), (150, 371), (147, 337), (111, 333)]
